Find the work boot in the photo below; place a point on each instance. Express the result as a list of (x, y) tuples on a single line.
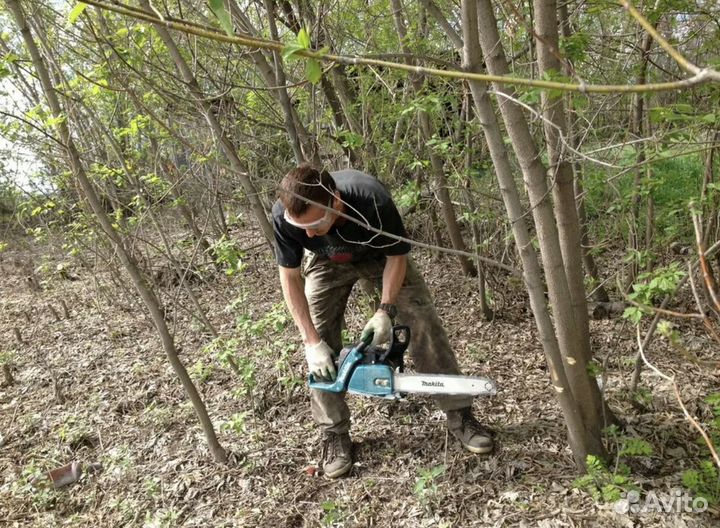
[(336, 458), (473, 436)]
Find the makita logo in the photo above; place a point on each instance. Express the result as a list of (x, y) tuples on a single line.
[(432, 384)]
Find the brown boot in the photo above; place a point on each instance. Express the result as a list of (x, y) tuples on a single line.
[(336, 454), (473, 436)]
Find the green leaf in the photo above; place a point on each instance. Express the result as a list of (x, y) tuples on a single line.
[(218, 9), (76, 12), (313, 71), (636, 447), (633, 314), (303, 38), (290, 50)]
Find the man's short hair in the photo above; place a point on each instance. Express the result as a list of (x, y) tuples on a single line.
[(303, 186)]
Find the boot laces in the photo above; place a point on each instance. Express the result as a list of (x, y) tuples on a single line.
[(330, 447), (469, 423)]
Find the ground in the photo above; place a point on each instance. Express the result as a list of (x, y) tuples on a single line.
[(93, 385)]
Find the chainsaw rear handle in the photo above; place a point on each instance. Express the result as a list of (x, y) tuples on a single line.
[(345, 370), (399, 340)]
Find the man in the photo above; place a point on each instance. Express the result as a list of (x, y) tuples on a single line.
[(308, 216)]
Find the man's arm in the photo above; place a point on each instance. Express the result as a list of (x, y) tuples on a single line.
[(294, 294), (393, 277), (380, 325)]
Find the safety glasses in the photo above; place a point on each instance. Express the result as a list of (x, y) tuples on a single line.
[(312, 225)]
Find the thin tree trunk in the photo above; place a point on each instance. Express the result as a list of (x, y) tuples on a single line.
[(226, 144), (649, 207), (465, 135), (637, 130), (437, 164), (598, 293), (583, 440), (280, 80), (455, 38), (147, 295), (556, 239), (711, 211), (297, 133), (331, 95), (568, 224)]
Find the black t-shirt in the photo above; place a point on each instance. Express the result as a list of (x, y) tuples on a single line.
[(366, 199)]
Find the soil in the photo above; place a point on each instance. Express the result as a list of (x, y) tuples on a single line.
[(93, 386)]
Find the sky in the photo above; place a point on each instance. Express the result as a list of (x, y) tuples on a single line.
[(17, 162)]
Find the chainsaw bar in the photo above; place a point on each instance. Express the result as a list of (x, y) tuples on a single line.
[(443, 384)]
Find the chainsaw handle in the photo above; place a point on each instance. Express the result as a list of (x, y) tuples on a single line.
[(364, 343), (344, 369)]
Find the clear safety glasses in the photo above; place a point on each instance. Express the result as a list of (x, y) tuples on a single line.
[(311, 225)]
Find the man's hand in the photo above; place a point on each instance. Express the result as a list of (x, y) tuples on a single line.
[(320, 361), (379, 326)]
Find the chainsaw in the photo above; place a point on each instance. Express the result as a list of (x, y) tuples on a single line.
[(380, 372)]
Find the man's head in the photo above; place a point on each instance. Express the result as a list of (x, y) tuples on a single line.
[(301, 191)]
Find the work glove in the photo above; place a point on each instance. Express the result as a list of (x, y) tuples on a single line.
[(380, 326), (320, 361)]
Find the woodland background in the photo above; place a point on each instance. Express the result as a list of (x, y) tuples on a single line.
[(555, 164)]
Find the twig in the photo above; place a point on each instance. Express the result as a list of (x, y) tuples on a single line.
[(697, 426), (560, 132), (706, 321), (663, 311), (650, 334), (707, 272), (664, 44), (373, 229)]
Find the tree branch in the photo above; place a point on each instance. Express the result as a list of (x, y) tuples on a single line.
[(700, 77)]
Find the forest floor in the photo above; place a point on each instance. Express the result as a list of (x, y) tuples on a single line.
[(94, 386)]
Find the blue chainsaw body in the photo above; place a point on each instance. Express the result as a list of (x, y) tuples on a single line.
[(368, 370)]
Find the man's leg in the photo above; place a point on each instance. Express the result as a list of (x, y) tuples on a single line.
[(327, 288), (429, 344), (432, 354)]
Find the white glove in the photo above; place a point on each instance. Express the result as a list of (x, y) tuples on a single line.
[(320, 360), (379, 326)]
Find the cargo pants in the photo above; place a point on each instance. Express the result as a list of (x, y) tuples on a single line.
[(327, 288)]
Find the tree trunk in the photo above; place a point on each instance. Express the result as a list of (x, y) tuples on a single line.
[(556, 235), (147, 295), (636, 129), (437, 164), (568, 224), (710, 210), (280, 80), (598, 292), (229, 149), (584, 438), (301, 141)]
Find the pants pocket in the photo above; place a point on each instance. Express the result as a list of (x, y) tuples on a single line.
[(309, 261)]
